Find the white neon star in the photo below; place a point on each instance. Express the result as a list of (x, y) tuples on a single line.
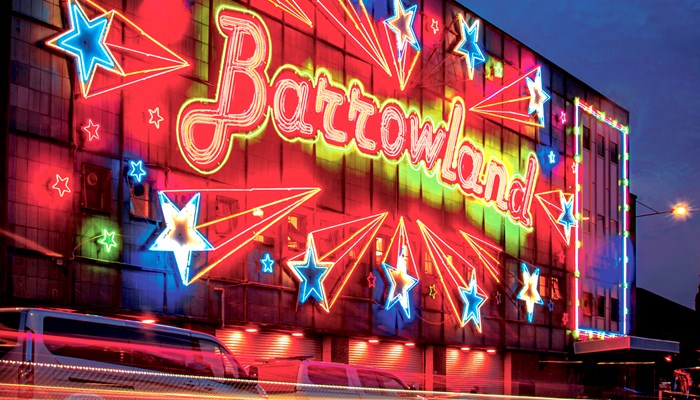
[(180, 234), (537, 96)]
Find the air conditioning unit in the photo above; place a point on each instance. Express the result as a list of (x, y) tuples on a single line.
[(96, 188)]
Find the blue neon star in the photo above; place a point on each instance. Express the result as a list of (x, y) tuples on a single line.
[(86, 41), (311, 273), (567, 216), (267, 263), (400, 284), (472, 303), (137, 172), (530, 293), (537, 96), (468, 45)]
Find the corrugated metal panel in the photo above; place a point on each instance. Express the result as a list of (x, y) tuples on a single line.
[(249, 347), (406, 362), (467, 370)]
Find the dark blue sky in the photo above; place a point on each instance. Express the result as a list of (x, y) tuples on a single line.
[(644, 55)]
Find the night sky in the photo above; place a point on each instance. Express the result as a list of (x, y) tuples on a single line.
[(644, 55)]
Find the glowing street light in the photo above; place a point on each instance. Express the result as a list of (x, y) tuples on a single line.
[(679, 210)]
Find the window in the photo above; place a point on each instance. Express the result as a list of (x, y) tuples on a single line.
[(296, 229), (427, 263), (216, 361), (379, 250), (614, 227), (162, 351), (87, 340), (586, 220), (556, 293), (600, 145), (613, 153), (586, 300), (225, 207), (376, 379), (599, 225), (586, 138), (601, 306), (543, 285), (9, 329), (326, 375), (614, 310)]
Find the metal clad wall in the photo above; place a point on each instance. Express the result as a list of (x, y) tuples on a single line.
[(406, 362), (467, 370), (248, 347)]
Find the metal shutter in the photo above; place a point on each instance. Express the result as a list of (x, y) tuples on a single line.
[(249, 347), (468, 369), (406, 362)]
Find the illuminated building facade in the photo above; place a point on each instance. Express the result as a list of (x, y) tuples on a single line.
[(400, 184)]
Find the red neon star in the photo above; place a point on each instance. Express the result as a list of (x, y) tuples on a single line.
[(155, 117), (370, 280), (91, 129), (61, 185)]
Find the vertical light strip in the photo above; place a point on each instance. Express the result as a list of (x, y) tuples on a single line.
[(624, 182), (578, 159), (625, 223)]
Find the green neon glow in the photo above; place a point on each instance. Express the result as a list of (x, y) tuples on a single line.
[(99, 238)]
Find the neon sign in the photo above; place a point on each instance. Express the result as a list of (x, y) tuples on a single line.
[(125, 55), (61, 185), (313, 108)]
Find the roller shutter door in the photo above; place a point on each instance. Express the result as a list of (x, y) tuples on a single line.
[(406, 362), (250, 347), (467, 370)]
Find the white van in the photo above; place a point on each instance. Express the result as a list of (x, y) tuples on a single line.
[(75, 353), (301, 379)]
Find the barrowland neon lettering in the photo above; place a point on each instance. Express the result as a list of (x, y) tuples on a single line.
[(309, 108)]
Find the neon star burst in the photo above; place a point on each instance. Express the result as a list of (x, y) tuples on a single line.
[(180, 234), (85, 41), (468, 45), (400, 283), (401, 23), (537, 97), (473, 301), (311, 273), (530, 293), (107, 240), (136, 170)]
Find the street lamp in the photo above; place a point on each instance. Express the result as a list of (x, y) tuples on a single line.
[(679, 210)]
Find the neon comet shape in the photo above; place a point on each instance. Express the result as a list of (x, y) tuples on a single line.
[(86, 42), (401, 23), (468, 45), (311, 273), (61, 185), (506, 103), (124, 57), (180, 234), (537, 96), (530, 293), (137, 172), (400, 281), (107, 240), (267, 263)]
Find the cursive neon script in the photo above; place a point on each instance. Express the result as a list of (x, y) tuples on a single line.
[(306, 107)]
